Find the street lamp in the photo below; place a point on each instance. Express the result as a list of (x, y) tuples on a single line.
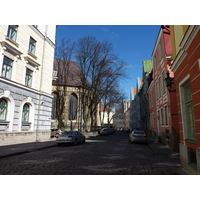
[(169, 81)]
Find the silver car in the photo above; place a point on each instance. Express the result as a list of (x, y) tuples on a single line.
[(138, 136), (70, 137), (105, 131)]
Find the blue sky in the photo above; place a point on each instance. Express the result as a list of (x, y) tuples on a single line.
[(132, 43)]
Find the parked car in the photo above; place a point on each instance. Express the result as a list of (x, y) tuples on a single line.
[(70, 137), (112, 130), (138, 136), (105, 131)]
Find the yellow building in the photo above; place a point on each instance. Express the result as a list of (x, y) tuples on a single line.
[(26, 66)]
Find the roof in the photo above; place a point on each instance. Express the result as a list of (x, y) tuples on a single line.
[(68, 73), (147, 65)]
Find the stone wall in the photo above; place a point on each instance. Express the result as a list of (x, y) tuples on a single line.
[(9, 138)]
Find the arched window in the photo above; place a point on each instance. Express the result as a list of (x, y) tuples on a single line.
[(73, 107), (3, 109), (25, 114)]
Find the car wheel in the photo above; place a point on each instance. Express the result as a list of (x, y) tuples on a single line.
[(75, 142)]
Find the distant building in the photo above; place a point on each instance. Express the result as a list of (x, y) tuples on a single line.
[(106, 116), (137, 99), (133, 108), (26, 66), (147, 66)]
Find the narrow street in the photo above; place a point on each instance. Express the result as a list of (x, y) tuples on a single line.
[(101, 155)]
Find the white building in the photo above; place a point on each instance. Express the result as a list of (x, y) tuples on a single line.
[(26, 65)]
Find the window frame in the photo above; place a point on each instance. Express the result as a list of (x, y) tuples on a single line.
[(5, 67), (188, 111), (4, 107), (28, 82), (12, 29), (73, 106), (24, 113), (32, 46)]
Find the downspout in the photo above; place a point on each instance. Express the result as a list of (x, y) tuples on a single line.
[(41, 81)]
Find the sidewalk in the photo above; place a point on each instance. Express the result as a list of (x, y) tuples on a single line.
[(171, 160), (15, 149)]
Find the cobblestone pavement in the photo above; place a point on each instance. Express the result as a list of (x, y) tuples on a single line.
[(101, 155)]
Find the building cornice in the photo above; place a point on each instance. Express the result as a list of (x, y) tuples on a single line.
[(185, 43), (37, 31), (12, 83)]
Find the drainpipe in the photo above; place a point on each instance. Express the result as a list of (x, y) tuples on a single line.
[(41, 81)]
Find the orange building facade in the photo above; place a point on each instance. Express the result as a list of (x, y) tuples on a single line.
[(186, 70)]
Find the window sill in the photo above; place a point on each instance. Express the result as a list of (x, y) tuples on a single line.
[(32, 55), (4, 122), (4, 125), (191, 141), (12, 41)]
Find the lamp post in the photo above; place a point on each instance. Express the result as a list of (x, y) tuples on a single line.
[(169, 81)]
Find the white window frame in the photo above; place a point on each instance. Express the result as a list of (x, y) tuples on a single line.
[(10, 107), (32, 46), (29, 101), (11, 30), (183, 112)]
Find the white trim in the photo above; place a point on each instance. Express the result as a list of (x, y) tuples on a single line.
[(178, 60), (199, 63), (189, 36), (181, 104), (7, 81), (31, 114), (11, 107)]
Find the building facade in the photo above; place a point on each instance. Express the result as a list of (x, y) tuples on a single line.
[(186, 69), (26, 66), (162, 103), (144, 100), (133, 108)]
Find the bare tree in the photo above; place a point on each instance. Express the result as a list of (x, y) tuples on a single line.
[(63, 54), (101, 69)]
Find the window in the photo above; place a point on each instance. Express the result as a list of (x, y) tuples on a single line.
[(166, 115), (162, 116), (159, 87), (157, 91), (25, 114), (12, 32), (3, 109), (160, 50), (188, 112), (32, 45), (28, 78), (192, 158), (7, 67), (163, 82), (72, 107)]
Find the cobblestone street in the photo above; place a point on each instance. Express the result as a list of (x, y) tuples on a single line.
[(100, 155)]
